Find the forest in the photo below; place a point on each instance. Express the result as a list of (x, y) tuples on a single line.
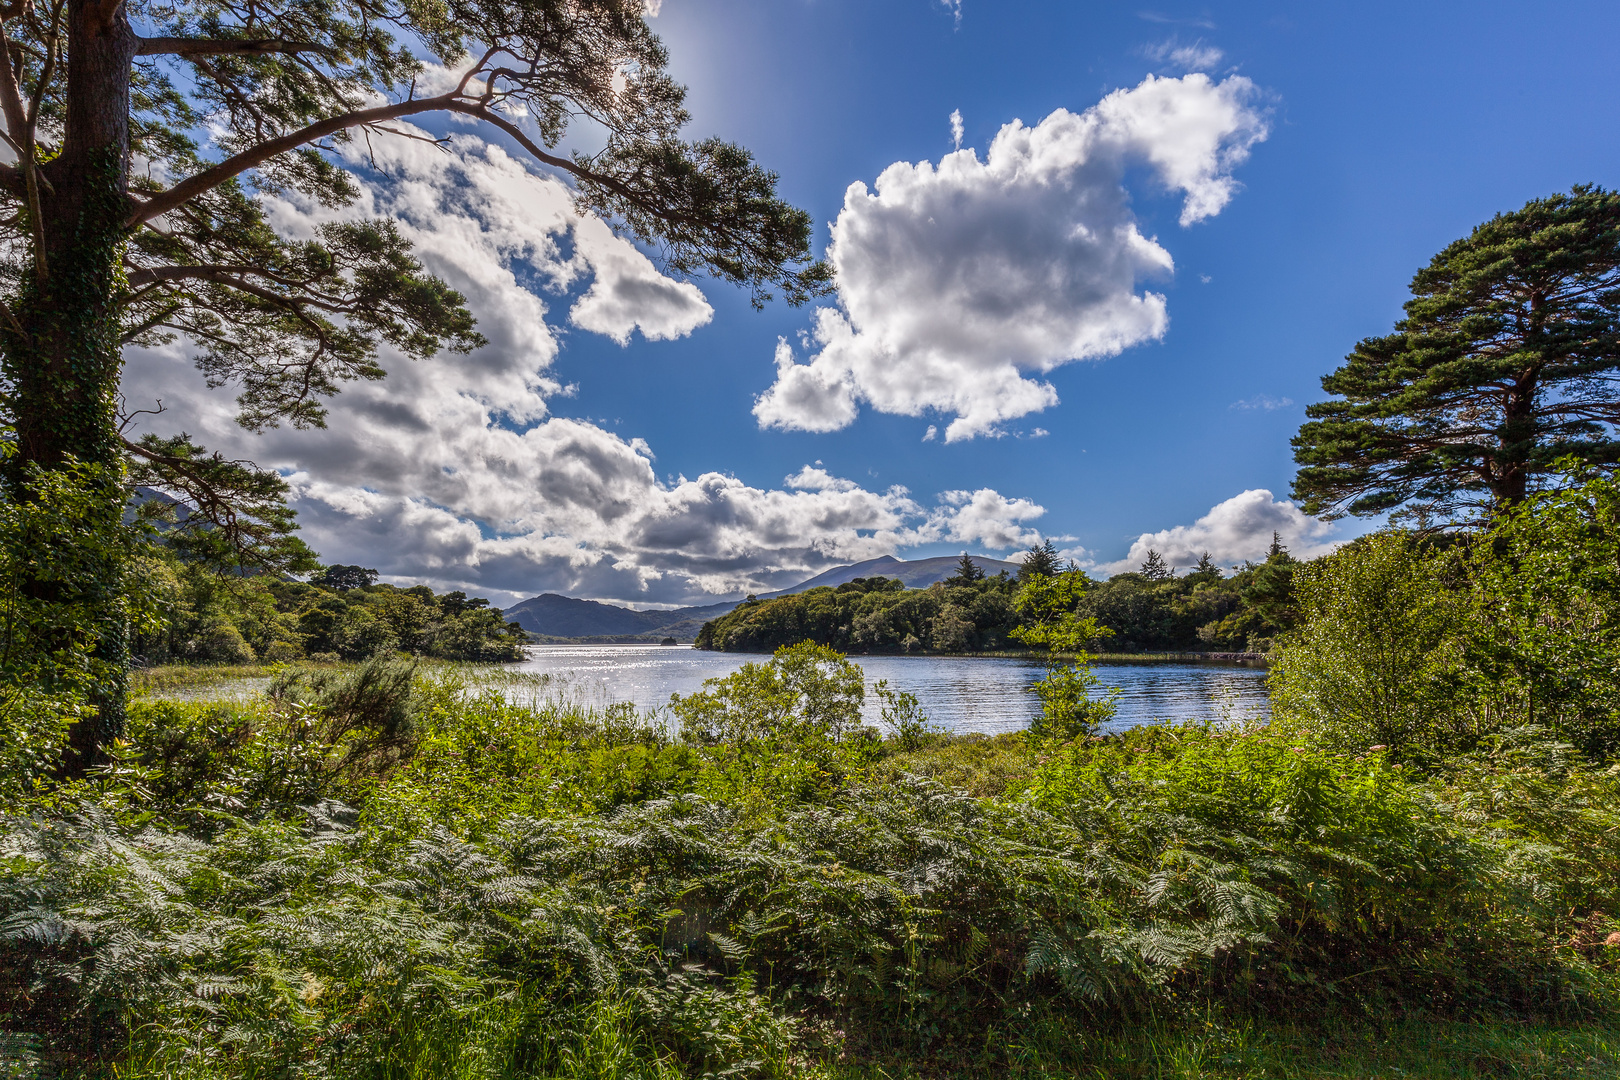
[(340, 613), (1152, 609)]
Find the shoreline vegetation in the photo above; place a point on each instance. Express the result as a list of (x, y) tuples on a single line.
[(1101, 659), (1149, 610)]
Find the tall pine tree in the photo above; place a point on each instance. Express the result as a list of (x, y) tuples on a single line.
[(1507, 360)]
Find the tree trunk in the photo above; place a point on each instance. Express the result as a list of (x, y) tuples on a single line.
[(63, 358)]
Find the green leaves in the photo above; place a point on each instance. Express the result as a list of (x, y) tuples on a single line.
[(1433, 649), (231, 514), (1508, 359)]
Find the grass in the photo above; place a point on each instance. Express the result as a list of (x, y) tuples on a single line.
[(1413, 1049)]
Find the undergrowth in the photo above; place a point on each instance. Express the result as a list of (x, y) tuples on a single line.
[(395, 873)]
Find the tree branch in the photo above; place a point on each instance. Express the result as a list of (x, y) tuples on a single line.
[(175, 46), (198, 183)]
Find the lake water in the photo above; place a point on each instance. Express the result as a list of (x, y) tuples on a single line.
[(962, 694)]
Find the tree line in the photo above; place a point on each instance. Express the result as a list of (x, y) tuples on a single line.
[(341, 613), (1151, 609)]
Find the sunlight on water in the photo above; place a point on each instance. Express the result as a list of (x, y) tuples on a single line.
[(989, 695)]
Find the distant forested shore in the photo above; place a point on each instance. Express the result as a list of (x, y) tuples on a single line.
[(1151, 609)]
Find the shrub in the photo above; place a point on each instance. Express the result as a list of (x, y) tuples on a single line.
[(789, 728), (1379, 657)]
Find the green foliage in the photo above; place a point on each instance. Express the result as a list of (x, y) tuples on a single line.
[(232, 515), (56, 546), (1155, 611), (902, 714), (873, 615), (786, 729), (1040, 561), (233, 620), (1379, 656), (1069, 708), (1048, 610), (1545, 579), (469, 915), (1431, 647), (1502, 365)]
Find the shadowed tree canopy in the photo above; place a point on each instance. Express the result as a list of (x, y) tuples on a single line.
[(1508, 359), (967, 571), (137, 138)]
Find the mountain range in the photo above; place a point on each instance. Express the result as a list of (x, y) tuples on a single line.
[(554, 616)]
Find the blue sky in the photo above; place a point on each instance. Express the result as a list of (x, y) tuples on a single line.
[(1389, 130)]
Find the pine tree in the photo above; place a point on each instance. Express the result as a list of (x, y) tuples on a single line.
[(1155, 568), (967, 571), (224, 101), (1042, 561), (1507, 360)]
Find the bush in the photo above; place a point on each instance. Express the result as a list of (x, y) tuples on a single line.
[(1230, 868), (1430, 648), (1379, 658)]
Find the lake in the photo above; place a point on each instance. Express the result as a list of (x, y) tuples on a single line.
[(960, 693)]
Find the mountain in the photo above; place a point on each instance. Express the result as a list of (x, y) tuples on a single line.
[(551, 615), (918, 574)]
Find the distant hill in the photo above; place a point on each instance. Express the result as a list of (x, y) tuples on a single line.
[(918, 574), (552, 615)]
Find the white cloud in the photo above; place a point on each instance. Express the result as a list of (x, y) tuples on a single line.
[(958, 282), (957, 128), (1239, 528), (1262, 402), (955, 7), (455, 472), (987, 517), (1194, 57)]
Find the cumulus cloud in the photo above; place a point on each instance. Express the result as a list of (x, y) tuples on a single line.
[(1194, 57), (957, 128), (987, 517), (958, 282), (1235, 530), (455, 471)]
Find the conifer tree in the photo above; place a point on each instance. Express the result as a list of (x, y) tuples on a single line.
[(1042, 561), (1154, 567), (1507, 360), (967, 571), (140, 136)]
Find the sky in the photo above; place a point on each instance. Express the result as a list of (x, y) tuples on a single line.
[(1092, 263)]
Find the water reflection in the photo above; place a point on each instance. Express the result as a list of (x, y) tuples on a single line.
[(988, 695)]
